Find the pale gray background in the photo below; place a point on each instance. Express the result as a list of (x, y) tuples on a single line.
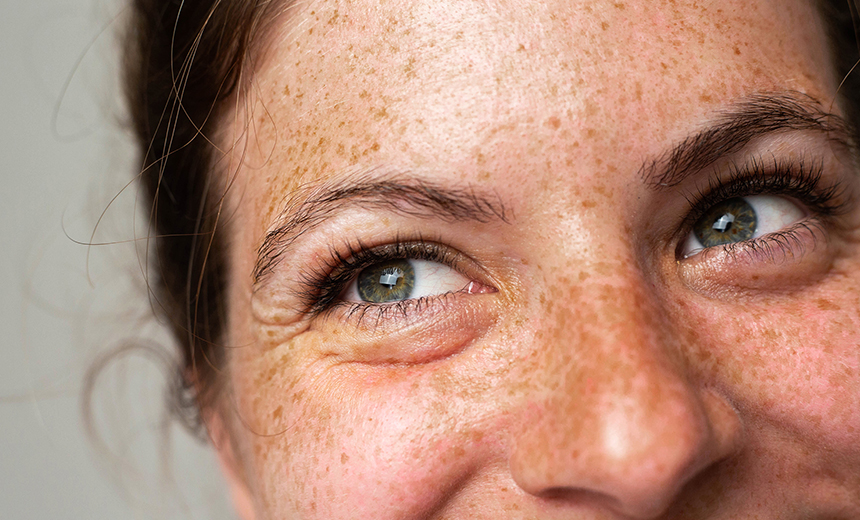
[(64, 156)]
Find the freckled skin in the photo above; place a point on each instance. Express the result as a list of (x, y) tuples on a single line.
[(601, 381)]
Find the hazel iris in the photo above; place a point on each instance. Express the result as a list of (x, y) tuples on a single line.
[(389, 281), (730, 221)]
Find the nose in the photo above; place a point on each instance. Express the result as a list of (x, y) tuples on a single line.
[(614, 419)]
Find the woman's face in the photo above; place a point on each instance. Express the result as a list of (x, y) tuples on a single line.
[(545, 259)]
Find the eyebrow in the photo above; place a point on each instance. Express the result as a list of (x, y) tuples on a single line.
[(736, 126), (312, 205)]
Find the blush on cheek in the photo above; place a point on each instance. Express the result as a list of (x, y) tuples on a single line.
[(410, 473), (360, 441), (826, 382), (792, 363)]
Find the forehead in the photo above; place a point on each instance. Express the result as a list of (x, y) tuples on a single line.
[(452, 85)]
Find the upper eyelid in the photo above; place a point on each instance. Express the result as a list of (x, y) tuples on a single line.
[(418, 248), (798, 177), (399, 193)]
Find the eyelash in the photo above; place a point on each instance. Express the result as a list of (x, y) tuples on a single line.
[(796, 179), (321, 287)]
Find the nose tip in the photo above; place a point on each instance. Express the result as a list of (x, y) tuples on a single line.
[(627, 454)]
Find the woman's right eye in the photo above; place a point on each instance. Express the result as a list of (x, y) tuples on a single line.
[(404, 279)]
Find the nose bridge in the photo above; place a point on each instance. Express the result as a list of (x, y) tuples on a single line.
[(615, 415), (606, 349)]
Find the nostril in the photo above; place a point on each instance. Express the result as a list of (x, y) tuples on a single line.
[(582, 496)]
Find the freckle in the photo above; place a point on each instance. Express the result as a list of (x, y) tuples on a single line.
[(737, 50), (276, 414), (521, 48), (343, 458), (826, 305), (553, 122), (604, 25), (298, 395), (334, 17), (409, 68)]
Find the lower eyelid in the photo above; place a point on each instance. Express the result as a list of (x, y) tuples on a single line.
[(781, 261), (389, 316), (410, 331)]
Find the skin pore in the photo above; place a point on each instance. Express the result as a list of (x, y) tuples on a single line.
[(590, 365)]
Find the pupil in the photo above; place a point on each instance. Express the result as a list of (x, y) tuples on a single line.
[(730, 221), (389, 281)]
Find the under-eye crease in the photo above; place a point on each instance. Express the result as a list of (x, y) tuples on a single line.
[(324, 286), (799, 180)]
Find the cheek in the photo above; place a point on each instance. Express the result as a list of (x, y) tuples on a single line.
[(338, 440), (791, 362)]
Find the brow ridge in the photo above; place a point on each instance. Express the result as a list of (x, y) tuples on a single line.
[(752, 117), (402, 193)]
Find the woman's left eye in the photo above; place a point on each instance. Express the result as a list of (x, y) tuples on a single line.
[(740, 219), (403, 279)]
